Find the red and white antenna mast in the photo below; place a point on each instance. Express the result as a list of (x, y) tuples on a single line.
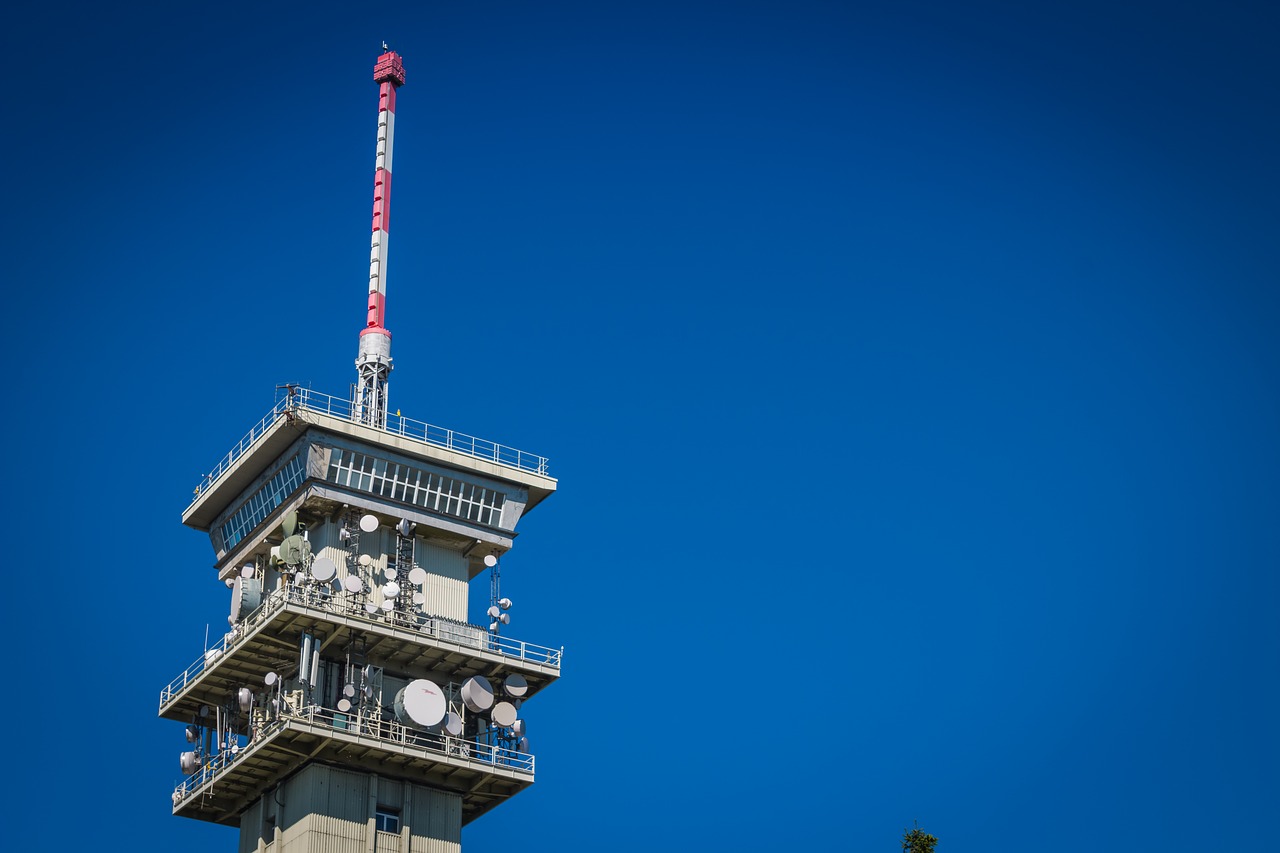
[(369, 400)]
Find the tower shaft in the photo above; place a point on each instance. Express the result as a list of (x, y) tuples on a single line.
[(373, 364)]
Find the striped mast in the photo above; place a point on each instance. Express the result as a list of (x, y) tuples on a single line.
[(373, 365)]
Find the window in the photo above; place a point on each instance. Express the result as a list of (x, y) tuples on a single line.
[(260, 504), (386, 820), (410, 485)]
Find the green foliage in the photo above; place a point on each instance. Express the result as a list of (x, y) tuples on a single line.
[(918, 841)]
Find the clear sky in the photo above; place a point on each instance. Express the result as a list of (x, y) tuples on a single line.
[(910, 373)]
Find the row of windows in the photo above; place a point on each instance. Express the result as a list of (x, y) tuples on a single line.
[(414, 486), (260, 504)]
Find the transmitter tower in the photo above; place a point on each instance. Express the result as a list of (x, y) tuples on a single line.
[(351, 705)]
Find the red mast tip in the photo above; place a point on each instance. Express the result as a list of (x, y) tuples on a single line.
[(389, 69)]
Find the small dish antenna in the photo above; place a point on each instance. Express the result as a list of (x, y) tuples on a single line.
[(404, 528), (344, 704), (389, 573), (289, 524), (245, 697), (270, 679), (504, 714), (323, 569), (419, 598), (294, 550), (370, 607), (352, 583), (452, 724), (418, 575), (504, 603), (391, 590), (365, 560), (388, 604), (490, 560), (477, 694), (247, 571), (515, 685), (189, 762), (368, 523)]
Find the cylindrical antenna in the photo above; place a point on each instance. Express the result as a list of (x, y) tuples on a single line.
[(373, 364)]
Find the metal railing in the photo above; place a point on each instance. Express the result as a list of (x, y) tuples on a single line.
[(296, 398), (462, 635), (389, 732)]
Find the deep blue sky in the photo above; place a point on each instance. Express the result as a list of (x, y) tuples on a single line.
[(910, 371)]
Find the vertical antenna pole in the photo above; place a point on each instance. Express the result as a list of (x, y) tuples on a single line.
[(373, 365)]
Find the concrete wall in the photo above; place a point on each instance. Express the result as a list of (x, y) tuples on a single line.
[(324, 809)]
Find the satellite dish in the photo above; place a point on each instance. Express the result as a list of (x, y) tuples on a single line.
[(421, 702), (504, 603), (193, 734), (204, 710), (294, 551), (289, 523), (189, 762), (493, 611), (505, 618), (418, 575), (344, 705), (247, 571), (523, 744), (493, 626), (323, 569), (352, 583), (419, 598), (349, 691), (391, 590), (344, 534), (270, 679), (504, 714), (237, 597), (452, 724), (245, 697), (388, 604), (517, 728), (368, 523), (371, 607), (477, 694), (404, 528), (365, 560), (516, 685), (211, 655), (231, 582), (490, 560)]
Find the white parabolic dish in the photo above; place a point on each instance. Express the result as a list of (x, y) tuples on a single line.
[(504, 714), (323, 569), (368, 523), (421, 702), (477, 695)]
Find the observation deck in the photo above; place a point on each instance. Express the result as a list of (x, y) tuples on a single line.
[(267, 641), (484, 774), (297, 408)]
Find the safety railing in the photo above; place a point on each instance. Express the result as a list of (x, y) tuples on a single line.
[(294, 398), (461, 635), (477, 752)]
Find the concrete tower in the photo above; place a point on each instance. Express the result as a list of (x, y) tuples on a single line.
[(351, 706)]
